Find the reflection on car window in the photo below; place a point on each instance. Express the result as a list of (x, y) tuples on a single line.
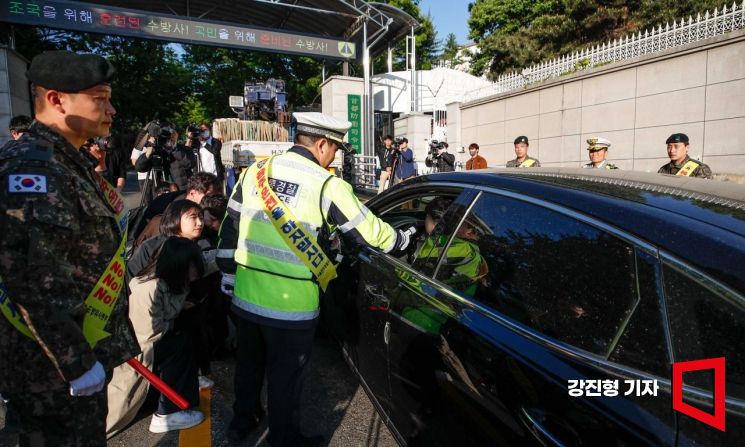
[(705, 325), (567, 279)]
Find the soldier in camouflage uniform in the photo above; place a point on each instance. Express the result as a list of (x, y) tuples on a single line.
[(58, 235), (597, 148), (521, 151), (680, 163)]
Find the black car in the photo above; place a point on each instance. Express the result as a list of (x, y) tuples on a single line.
[(547, 308)]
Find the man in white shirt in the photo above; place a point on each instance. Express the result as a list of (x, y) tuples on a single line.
[(209, 153)]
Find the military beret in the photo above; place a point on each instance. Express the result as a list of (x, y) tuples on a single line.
[(521, 139), (69, 72), (597, 143), (677, 138), (321, 125)]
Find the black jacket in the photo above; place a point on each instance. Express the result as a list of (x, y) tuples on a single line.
[(179, 164), (444, 162)]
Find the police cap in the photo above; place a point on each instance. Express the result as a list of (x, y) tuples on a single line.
[(317, 124), (677, 138), (521, 139), (69, 72), (597, 143)]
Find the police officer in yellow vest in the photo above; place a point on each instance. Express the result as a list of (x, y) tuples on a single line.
[(272, 256), (680, 163)]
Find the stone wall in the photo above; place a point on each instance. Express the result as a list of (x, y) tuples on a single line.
[(698, 90), (14, 92)]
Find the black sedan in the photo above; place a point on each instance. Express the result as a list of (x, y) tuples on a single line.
[(548, 308)]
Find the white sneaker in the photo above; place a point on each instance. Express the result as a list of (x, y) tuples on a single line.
[(205, 383), (175, 421)]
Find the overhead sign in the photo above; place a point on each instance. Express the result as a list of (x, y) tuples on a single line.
[(86, 17)]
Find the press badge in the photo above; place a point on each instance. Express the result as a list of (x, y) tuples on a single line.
[(27, 183)]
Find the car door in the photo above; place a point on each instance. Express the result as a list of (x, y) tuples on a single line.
[(416, 317), (707, 320), (378, 282), (557, 299)]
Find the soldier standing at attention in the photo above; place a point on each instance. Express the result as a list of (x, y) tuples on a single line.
[(63, 326), (680, 163), (598, 149), (522, 160)]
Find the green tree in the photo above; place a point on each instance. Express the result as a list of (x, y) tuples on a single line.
[(427, 45), (450, 50), (222, 72), (150, 82), (513, 34)]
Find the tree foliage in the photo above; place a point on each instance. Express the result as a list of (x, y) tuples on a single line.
[(427, 45), (512, 34), (450, 50)]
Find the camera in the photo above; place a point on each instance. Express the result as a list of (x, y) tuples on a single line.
[(103, 143), (162, 146), (192, 134), (435, 147)]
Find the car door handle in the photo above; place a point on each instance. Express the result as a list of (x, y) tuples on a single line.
[(376, 299), (535, 421)]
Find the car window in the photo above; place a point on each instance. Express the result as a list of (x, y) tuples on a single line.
[(423, 251), (643, 344), (704, 324), (567, 279)]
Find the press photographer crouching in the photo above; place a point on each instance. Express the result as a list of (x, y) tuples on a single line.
[(439, 158), (163, 158)]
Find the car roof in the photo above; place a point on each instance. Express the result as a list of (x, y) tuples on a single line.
[(701, 199), (697, 220)]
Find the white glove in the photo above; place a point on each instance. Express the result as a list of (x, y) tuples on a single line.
[(405, 237), (89, 383), (227, 284)]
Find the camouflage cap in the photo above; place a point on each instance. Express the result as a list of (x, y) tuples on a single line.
[(677, 138), (70, 72)]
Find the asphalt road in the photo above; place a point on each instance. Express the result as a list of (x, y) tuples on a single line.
[(333, 402)]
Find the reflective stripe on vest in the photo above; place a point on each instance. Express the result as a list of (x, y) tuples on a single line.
[(687, 169), (271, 280)]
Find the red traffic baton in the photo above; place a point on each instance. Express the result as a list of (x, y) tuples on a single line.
[(160, 385)]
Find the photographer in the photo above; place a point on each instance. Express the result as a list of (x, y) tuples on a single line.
[(162, 152), (110, 163), (402, 161), (386, 163), (439, 158), (208, 151)]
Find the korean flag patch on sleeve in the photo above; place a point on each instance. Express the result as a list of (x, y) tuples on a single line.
[(33, 183)]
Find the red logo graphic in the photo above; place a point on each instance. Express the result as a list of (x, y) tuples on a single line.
[(716, 420)]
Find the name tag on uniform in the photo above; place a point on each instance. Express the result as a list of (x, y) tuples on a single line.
[(33, 183)]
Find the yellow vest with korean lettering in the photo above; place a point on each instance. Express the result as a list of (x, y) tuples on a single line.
[(271, 281)]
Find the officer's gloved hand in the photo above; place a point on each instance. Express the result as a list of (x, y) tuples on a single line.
[(227, 284), (89, 383), (405, 237)]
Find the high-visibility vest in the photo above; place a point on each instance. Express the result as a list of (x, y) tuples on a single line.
[(271, 281)]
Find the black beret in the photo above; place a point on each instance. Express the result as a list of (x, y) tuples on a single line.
[(677, 138), (521, 139), (69, 72)]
